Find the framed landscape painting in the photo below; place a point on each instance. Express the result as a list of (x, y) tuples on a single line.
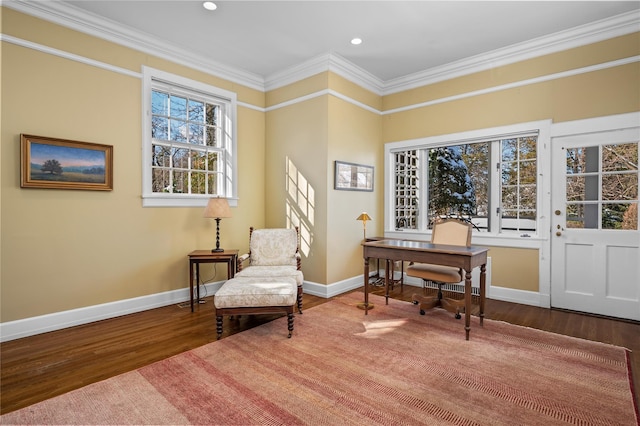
[(64, 164)]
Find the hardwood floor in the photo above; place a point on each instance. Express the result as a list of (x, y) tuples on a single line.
[(39, 367)]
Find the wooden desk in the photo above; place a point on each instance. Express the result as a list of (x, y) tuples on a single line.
[(196, 257), (466, 258)]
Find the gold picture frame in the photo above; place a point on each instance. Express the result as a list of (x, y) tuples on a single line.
[(52, 163), (353, 177)]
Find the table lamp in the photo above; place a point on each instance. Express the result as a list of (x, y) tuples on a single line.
[(217, 208), (364, 217)]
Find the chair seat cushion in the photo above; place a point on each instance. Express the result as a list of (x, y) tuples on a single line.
[(256, 292), (438, 273), (255, 271)]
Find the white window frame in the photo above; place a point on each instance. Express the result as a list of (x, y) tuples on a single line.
[(543, 159), (229, 142)]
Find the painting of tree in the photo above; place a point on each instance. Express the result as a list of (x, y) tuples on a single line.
[(52, 166)]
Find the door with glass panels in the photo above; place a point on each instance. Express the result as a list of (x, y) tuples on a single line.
[(595, 256)]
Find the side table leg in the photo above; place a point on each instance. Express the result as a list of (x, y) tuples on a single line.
[(191, 284)]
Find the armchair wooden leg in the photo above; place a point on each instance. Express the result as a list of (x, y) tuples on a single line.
[(219, 326), (290, 323), (300, 300)]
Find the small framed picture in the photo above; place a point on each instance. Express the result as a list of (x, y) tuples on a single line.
[(353, 177), (64, 164)]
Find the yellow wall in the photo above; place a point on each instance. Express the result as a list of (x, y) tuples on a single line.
[(309, 136), (62, 250), (354, 137), (598, 93), (296, 178), (514, 268)]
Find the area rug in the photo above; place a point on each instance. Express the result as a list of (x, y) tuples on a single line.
[(391, 367)]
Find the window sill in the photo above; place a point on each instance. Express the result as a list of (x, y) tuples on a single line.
[(478, 238), (169, 200)]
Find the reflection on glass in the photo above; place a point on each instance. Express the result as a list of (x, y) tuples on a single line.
[(620, 187), (509, 149), (178, 107), (180, 182), (198, 182), (622, 157), (620, 216)]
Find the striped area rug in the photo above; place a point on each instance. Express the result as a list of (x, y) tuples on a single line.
[(392, 367)]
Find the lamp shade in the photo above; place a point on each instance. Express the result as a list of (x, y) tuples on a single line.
[(217, 208), (364, 217)]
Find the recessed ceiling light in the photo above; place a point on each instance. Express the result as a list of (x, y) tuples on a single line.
[(209, 5), (356, 41)]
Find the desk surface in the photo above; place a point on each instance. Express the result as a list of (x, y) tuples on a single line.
[(425, 246)]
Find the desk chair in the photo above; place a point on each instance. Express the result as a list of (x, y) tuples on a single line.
[(451, 232)]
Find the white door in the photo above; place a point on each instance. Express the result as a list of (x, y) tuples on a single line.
[(595, 255)]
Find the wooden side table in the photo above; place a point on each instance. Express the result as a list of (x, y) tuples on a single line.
[(196, 257)]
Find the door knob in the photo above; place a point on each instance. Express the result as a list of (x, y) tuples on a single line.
[(558, 212), (558, 233)]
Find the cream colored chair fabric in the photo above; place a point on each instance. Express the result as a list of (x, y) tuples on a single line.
[(271, 283), (451, 232), (273, 252)]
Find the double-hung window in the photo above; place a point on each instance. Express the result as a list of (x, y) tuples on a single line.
[(188, 141), (489, 179)]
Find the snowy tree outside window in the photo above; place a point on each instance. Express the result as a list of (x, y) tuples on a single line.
[(492, 183)]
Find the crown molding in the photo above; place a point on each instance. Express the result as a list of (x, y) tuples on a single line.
[(77, 19), (80, 20), (615, 26), (321, 63)]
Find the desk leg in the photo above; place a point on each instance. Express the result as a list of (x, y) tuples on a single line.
[(191, 283), (467, 303), (366, 285), (483, 289), (386, 281)]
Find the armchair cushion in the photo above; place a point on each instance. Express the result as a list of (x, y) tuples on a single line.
[(272, 271), (256, 292)]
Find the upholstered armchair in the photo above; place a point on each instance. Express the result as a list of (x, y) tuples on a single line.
[(273, 253), (270, 284)]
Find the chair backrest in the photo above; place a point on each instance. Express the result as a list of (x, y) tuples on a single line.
[(273, 246), (452, 232)]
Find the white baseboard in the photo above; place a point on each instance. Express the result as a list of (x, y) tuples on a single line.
[(42, 324)]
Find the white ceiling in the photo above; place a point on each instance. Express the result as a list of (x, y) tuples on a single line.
[(401, 38)]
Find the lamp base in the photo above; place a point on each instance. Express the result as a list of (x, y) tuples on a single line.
[(363, 307), (217, 250)]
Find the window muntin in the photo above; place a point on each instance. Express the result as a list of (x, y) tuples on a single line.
[(406, 189), (518, 193), (602, 187), (460, 182), (189, 141)]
